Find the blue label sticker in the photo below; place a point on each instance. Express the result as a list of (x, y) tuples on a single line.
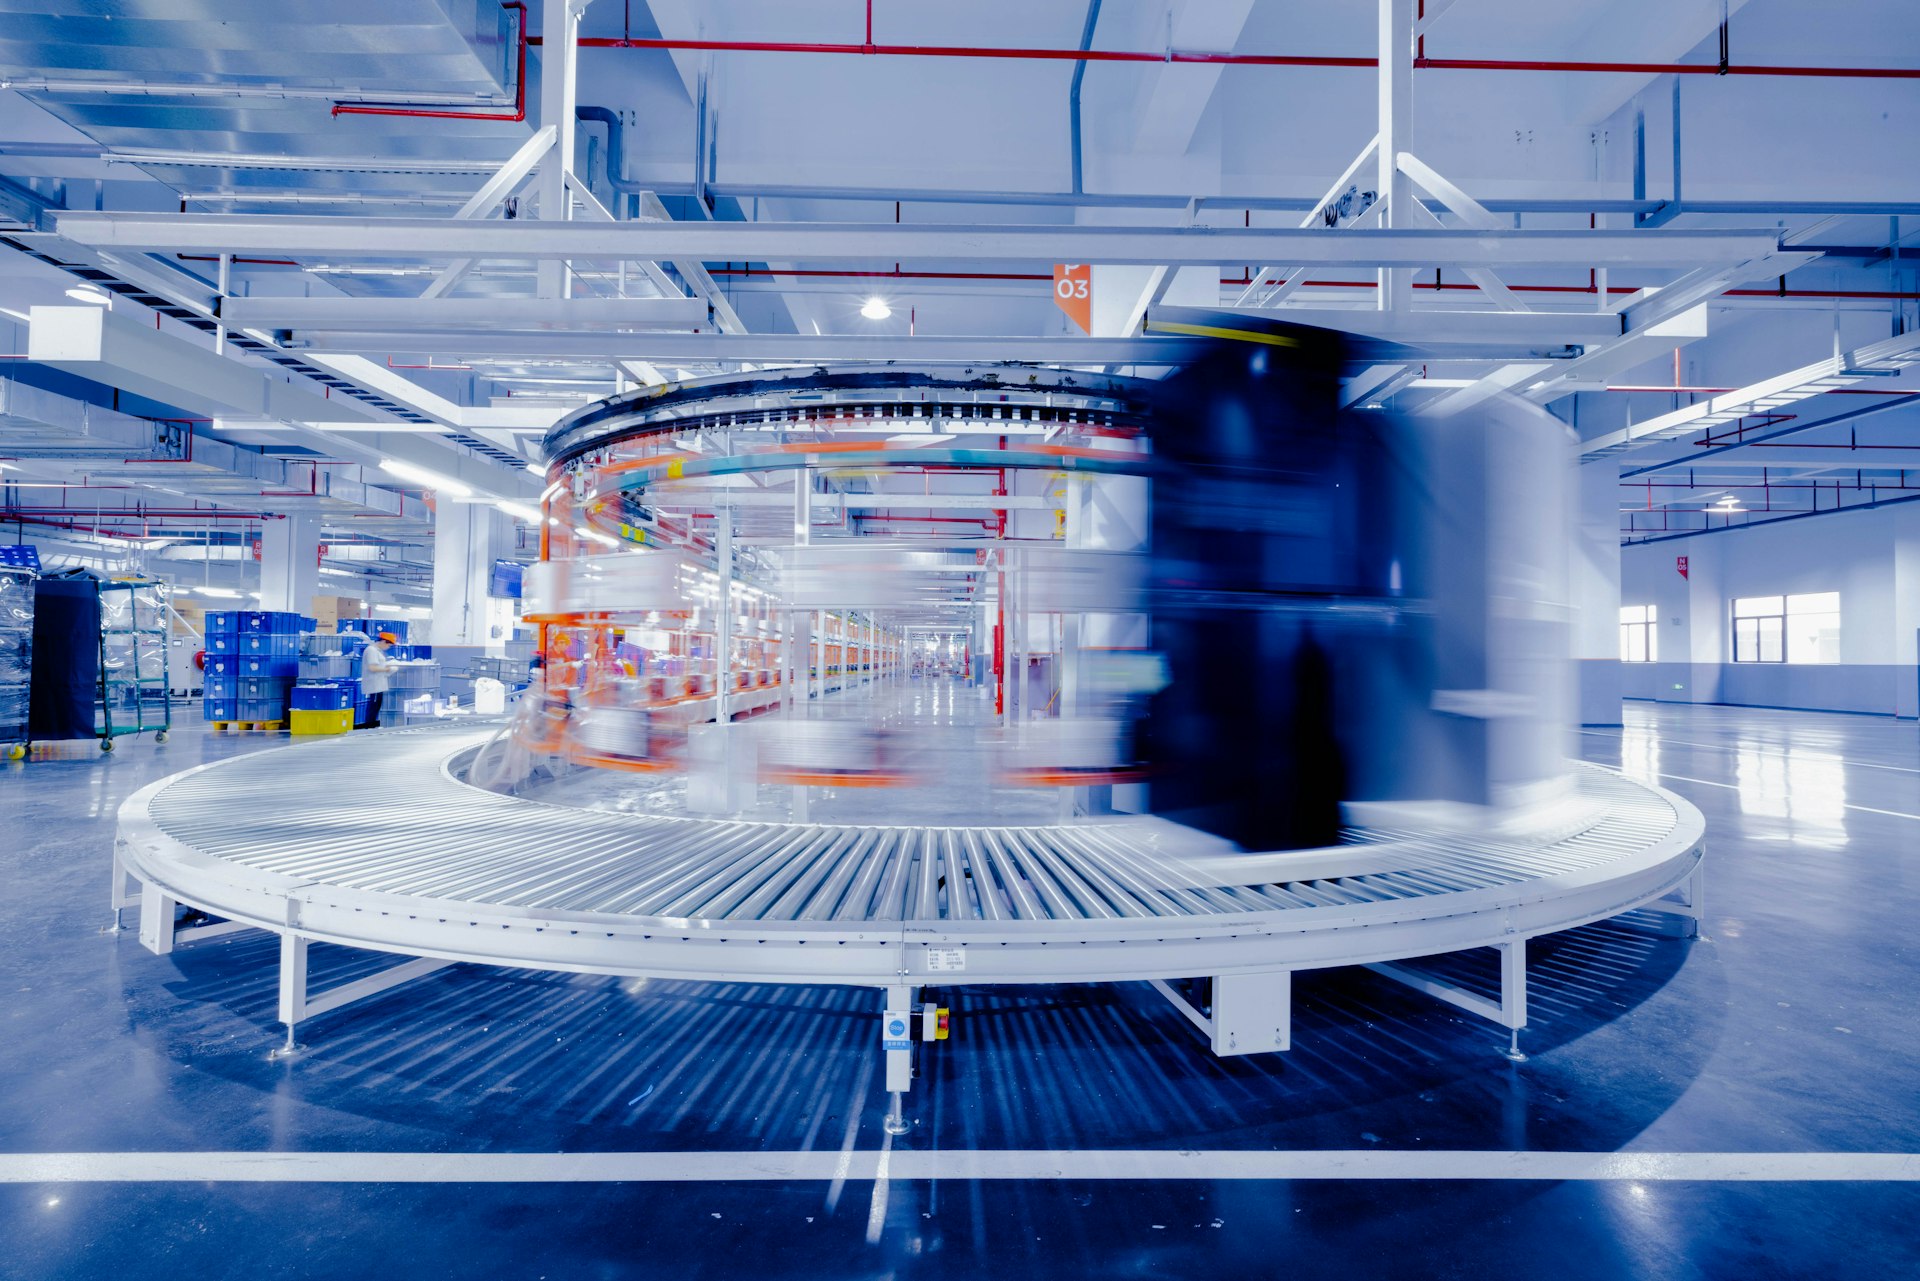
[(893, 1031)]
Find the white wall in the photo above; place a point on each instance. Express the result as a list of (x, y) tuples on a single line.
[(1872, 558)]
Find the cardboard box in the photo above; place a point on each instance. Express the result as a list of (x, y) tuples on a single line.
[(329, 610)]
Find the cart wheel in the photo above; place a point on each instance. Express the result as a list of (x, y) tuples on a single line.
[(106, 745), (161, 737), (16, 752)]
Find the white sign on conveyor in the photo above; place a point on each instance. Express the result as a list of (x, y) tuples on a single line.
[(894, 1031), (946, 958)]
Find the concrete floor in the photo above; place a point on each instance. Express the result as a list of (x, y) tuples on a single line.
[(1790, 1027)]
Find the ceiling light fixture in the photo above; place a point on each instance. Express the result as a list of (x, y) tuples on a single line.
[(226, 592), (538, 469), (421, 476), (520, 511), (875, 309), (89, 294)]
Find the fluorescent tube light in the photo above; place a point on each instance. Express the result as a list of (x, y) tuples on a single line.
[(421, 476)]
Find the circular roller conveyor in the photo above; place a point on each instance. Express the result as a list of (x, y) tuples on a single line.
[(376, 843)]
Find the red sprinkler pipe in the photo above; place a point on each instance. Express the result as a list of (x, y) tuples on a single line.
[(871, 49), (401, 109)]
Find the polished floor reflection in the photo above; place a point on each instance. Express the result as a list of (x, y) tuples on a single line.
[(1789, 1027)]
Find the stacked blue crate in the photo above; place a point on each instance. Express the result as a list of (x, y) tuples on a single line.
[(324, 696), (265, 660), (219, 687)]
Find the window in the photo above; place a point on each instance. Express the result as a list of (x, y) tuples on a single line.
[(1787, 629), (1639, 634), (1759, 623), (1813, 628)]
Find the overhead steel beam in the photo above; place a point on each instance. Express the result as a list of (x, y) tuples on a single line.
[(493, 192), (795, 348), (464, 313), (854, 242), (1890, 356)]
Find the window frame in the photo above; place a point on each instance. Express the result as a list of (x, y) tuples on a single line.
[(1760, 623), (1647, 624)]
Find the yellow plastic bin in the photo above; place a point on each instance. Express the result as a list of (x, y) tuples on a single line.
[(304, 721)]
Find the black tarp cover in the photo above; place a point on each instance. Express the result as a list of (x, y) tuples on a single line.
[(66, 658)]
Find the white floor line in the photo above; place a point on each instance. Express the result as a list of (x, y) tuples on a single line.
[(1762, 751), (1734, 787), (898, 1166)]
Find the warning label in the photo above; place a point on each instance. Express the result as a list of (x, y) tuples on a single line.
[(946, 958), (893, 1031)]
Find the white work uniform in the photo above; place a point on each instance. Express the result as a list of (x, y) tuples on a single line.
[(374, 666)]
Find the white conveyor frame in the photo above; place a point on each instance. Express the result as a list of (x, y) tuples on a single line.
[(375, 843)]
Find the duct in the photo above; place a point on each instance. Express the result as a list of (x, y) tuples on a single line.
[(616, 149), (168, 458), (348, 314), (418, 49), (95, 343)]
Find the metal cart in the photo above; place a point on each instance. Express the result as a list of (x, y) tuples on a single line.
[(18, 571), (133, 659)]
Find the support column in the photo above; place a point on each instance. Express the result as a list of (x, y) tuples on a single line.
[(1596, 594), (560, 21), (1906, 610), (463, 545), (290, 563), (1394, 188), (723, 621)]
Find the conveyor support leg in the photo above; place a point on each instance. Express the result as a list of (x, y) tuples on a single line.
[(156, 921), (1510, 1011), (126, 888), (1686, 903), (900, 999), (1248, 1014), (297, 1002)]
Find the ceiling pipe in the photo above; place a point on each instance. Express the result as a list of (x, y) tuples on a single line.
[(518, 113), (616, 149), (1243, 59), (1073, 94)]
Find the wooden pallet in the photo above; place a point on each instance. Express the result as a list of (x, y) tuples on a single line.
[(243, 727)]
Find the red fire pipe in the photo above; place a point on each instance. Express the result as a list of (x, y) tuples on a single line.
[(519, 90), (1239, 59)]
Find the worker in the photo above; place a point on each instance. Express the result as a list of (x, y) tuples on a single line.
[(374, 666)]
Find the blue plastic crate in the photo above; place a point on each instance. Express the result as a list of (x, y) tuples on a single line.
[(270, 620), (346, 625), (286, 644), (222, 665), (220, 709), (328, 667), (322, 697), (267, 665), (262, 709), (222, 622), (395, 625), (20, 556), (222, 643), (220, 687), (263, 687)]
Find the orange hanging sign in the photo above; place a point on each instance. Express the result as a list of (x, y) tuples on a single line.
[(1073, 293)]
